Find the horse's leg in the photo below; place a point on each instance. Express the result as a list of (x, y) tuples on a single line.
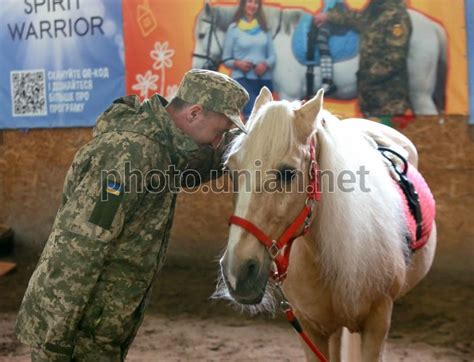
[(375, 331), (422, 103), (345, 78), (350, 346), (344, 346), (422, 64), (335, 344), (421, 262)]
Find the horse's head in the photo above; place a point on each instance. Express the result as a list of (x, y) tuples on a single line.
[(270, 168), (209, 38)]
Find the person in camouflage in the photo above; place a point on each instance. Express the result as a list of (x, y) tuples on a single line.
[(385, 29), (86, 298)]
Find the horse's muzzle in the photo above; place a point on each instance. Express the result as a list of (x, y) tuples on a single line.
[(251, 280)]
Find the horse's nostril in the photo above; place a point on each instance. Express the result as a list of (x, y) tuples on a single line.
[(250, 270)]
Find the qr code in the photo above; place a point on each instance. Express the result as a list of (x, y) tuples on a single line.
[(28, 89)]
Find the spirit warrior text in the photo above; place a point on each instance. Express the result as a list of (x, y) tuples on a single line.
[(54, 28)]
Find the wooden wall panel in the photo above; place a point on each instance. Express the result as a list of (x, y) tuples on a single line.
[(33, 165)]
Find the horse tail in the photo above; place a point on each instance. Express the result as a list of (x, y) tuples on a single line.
[(439, 95)]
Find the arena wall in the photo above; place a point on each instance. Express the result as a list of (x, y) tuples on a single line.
[(33, 165)]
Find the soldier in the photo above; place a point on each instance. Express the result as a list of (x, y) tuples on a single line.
[(87, 295), (385, 30)]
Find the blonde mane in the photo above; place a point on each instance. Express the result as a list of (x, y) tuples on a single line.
[(361, 234)]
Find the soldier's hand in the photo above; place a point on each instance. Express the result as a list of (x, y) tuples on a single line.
[(320, 18)]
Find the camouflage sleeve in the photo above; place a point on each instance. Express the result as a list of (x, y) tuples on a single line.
[(92, 215), (344, 17), (208, 162), (387, 49)]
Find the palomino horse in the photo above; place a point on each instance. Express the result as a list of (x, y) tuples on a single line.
[(426, 58), (354, 260)]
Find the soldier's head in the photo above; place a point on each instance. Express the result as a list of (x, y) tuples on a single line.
[(207, 105)]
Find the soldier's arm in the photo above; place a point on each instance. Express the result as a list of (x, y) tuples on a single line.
[(345, 17), (91, 217), (208, 162)]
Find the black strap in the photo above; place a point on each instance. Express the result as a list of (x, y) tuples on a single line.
[(311, 41), (310, 49), (407, 187), (279, 25)]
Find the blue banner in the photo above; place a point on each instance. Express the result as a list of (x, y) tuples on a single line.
[(470, 57), (61, 62)]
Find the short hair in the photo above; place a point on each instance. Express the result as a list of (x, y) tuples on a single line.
[(178, 104)]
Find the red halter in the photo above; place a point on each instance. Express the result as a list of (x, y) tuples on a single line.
[(280, 248)]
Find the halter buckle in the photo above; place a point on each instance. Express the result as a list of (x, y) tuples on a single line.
[(274, 250), (285, 306)]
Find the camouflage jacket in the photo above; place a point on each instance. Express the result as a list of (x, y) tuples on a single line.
[(385, 29), (109, 237)]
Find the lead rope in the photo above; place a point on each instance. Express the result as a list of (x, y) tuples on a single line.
[(286, 308)]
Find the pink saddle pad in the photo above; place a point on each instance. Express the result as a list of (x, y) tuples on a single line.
[(427, 206)]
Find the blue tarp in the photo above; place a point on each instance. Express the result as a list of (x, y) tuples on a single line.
[(61, 63), (342, 47)]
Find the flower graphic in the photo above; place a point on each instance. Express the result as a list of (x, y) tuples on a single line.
[(162, 56), (171, 91), (145, 83)]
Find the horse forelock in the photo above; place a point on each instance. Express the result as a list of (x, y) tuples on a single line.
[(270, 135), (360, 233)]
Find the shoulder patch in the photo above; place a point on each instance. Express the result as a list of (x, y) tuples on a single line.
[(397, 30), (107, 204)]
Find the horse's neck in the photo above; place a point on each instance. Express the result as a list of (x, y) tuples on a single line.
[(224, 16), (290, 18), (355, 228), (272, 16)]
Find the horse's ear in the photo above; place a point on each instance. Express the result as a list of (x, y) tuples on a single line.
[(306, 115), (207, 8), (263, 97)]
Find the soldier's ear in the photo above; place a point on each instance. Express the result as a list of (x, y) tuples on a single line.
[(193, 112)]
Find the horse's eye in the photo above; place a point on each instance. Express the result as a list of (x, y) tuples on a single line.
[(201, 35), (286, 174)]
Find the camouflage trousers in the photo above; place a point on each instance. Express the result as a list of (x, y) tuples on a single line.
[(86, 349)]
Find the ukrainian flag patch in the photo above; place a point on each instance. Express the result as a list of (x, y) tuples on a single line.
[(107, 204), (114, 188)]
